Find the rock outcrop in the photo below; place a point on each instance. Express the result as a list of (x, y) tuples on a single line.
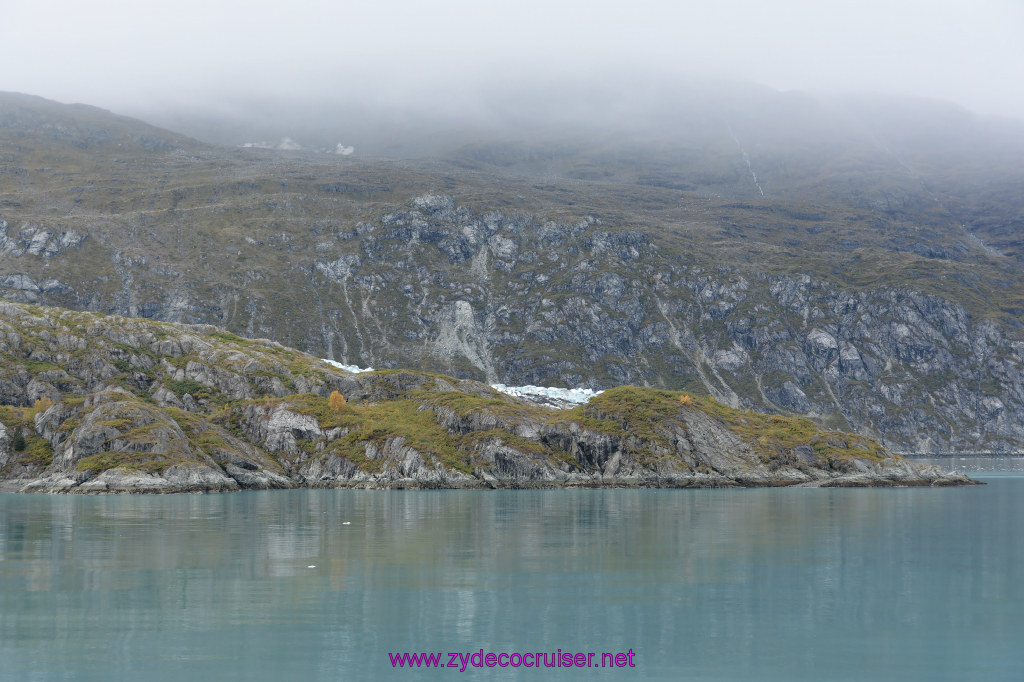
[(97, 404)]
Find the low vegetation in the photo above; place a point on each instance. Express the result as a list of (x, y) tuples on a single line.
[(379, 421)]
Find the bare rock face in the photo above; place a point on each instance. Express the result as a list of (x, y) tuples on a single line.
[(35, 241), (5, 445), (802, 344), (458, 292)]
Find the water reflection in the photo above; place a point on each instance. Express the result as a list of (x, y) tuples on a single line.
[(772, 584), (1000, 466)]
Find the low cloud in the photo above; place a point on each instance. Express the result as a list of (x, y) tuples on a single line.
[(286, 143), (132, 56)]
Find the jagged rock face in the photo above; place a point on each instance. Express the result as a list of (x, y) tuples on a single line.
[(155, 407), (499, 296), (874, 307), (34, 241), (915, 370)]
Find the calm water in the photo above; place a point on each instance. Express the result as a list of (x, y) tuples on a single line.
[(701, 585)]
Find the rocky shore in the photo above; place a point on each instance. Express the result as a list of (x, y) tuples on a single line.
[(97, 404)]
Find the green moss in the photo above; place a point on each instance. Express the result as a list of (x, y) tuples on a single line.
[(183, 386), (311, 405), (155, 464), (16, 417), (228, 417), (402, 418), (38, 451), (31, 448), (209, 440), (305, 368), (773, 436), (141, 435), (36, 366), (231, 338), (180, 362), (148, 462), (355, 453), (630, 411), (99, 462), (70, 424), (465, 404)]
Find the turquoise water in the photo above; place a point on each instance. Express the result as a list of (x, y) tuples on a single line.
[(797, 584)]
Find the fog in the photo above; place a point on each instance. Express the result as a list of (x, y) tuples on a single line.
[(253, 60)]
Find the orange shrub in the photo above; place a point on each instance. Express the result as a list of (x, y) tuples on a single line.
[(336, 402)]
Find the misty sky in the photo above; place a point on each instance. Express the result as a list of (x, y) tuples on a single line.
[(132, 55)]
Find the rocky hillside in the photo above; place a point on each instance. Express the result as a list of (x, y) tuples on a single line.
[(91, 403), (831, 266)]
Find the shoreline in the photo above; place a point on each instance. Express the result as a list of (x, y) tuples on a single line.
[(153, 487)]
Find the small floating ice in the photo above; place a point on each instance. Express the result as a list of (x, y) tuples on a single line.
[(346, 523), (348, 368), (310, 566)]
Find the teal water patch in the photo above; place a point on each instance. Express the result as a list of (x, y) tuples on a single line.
[(764, 584), (978, 467)]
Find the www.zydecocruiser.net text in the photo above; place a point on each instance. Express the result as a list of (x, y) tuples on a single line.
[(462, 660)]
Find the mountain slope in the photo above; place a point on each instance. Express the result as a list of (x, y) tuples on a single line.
[(776, 253)]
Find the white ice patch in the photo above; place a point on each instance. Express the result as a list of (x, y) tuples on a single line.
[(570, 395), (348, 368), (553, 397)]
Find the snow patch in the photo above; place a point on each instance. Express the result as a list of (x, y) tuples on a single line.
[(548, 395), (574, 396), (348, 368)]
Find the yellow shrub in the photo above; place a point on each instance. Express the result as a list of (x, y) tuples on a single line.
[(336, 402), (43, 403), (686, 400)]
